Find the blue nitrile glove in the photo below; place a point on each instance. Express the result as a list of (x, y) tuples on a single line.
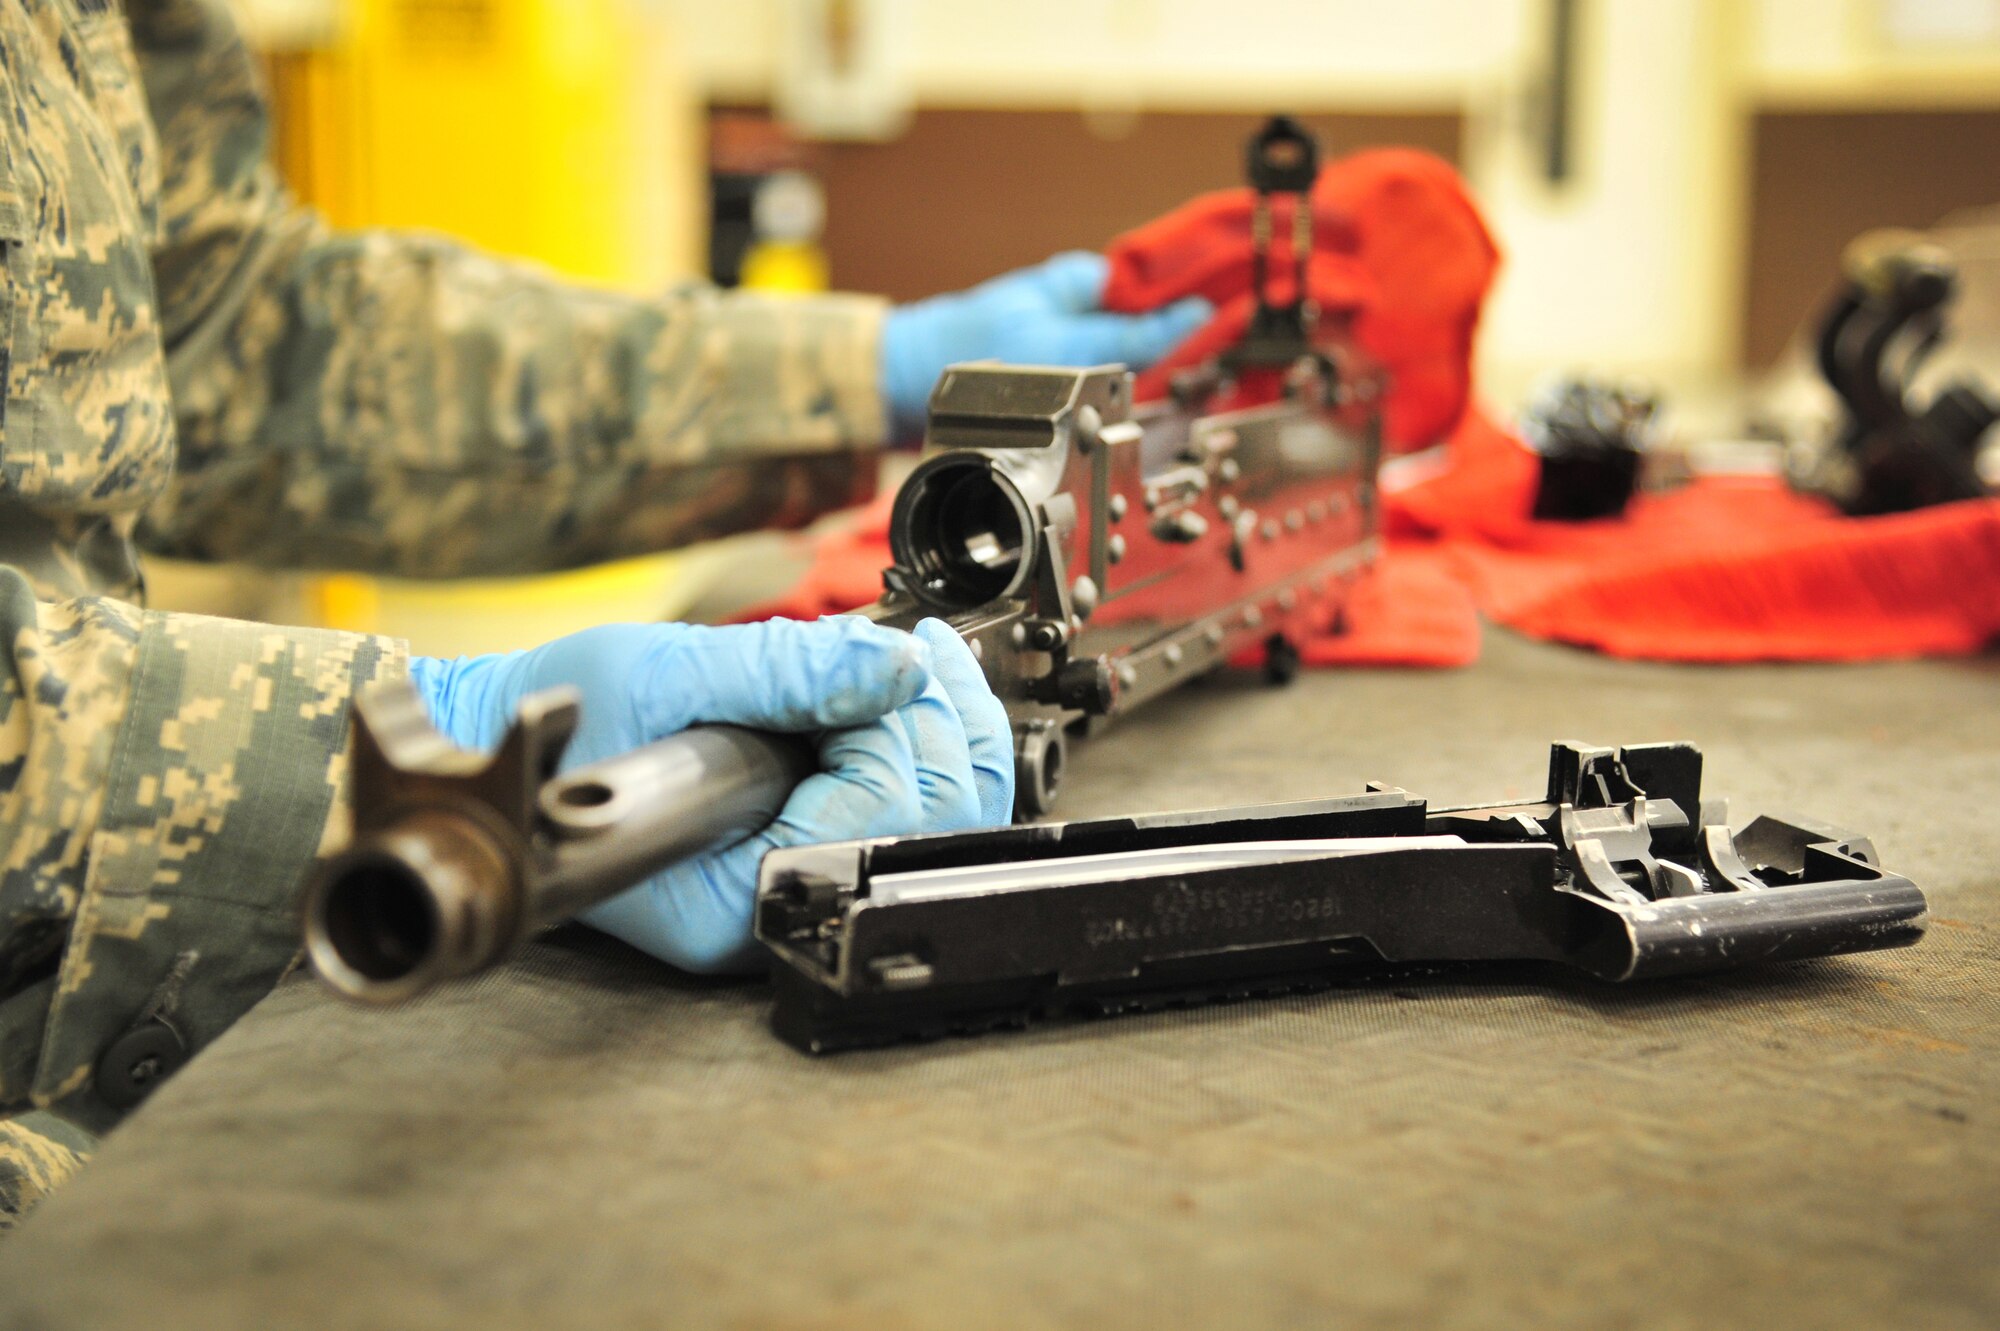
[(910, 740), (1050, 314)]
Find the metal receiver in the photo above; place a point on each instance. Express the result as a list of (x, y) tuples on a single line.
[(1096, 554)]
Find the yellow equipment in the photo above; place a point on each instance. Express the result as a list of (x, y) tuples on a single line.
[(555, 130)]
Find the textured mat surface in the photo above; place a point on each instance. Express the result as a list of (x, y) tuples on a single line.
[(581, 1140)]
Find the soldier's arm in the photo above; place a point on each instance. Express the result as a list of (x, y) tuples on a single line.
[(165, 780), (396, 402)]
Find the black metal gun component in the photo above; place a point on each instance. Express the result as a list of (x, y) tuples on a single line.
[(1893, 453), (1095, 553), (1590, 439), (1621, 872), (459, 858), (1282, 161)]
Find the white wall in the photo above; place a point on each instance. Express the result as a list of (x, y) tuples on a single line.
[(1632, 266), (1169, 53), (1875, 52), (1627, 269), (1244, 51)]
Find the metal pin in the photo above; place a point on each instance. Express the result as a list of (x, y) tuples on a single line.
[(1083, 596)]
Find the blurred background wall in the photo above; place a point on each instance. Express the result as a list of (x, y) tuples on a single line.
[(1720, 151), (1672, 180)]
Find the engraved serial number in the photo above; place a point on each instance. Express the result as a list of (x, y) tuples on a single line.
[(1179, 909)]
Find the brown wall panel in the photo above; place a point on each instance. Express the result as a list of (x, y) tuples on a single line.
[(1821, 178), (968, 194)]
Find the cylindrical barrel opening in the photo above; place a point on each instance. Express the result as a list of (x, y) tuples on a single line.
[(427, 898), (964, 531), (378, 920)]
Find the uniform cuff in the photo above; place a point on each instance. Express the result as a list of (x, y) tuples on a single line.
[(227, 781)]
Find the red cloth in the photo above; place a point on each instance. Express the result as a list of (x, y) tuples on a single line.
[(1408, 611), (846, 570), (1722, 570), (1726, 569), (1400, 258)]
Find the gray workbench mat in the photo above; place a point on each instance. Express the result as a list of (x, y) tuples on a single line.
[(584, 1140)]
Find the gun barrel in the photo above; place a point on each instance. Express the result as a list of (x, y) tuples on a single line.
[(442, 889)]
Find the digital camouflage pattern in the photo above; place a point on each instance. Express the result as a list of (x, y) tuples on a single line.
[(37, 1152), (194, 364), (397, 403)]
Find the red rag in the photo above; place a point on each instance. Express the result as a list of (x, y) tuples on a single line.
[(1400, 257), (846, 571), (1745, 570), (1410, 609), (1725, 569)]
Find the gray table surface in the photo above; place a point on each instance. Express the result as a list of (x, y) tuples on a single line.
[(585, 1140)]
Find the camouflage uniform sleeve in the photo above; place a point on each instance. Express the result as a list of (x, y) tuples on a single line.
[(165, 782), (397, 403), (38, 1153)]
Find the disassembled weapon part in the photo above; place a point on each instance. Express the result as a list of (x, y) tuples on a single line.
[(459, 858), (1590, 439), (1892, 453), (1621, 872)]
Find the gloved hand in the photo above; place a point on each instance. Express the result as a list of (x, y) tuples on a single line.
[(1051, 314), (910, 740)]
